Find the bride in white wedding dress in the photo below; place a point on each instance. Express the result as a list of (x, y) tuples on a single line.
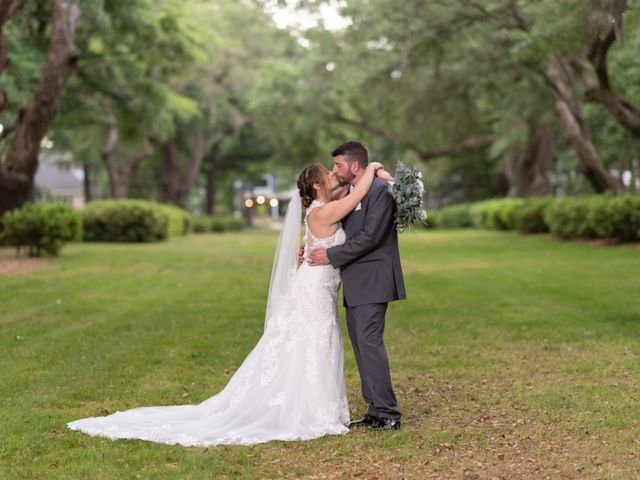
[(291, 386)]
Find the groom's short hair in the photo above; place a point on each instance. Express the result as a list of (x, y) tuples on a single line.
[(353, 150)]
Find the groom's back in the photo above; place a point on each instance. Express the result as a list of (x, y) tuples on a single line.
[(376, 277)]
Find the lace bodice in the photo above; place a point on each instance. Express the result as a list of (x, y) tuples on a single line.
[(311, 241)]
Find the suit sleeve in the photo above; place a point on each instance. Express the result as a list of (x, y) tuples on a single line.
[(380, 217)]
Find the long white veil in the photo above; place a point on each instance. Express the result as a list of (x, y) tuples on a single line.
[(285, 261)]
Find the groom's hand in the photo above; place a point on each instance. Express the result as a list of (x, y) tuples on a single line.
[(318, 257), (301, 255)]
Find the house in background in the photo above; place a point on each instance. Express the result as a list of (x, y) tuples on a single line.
[(59, 180)]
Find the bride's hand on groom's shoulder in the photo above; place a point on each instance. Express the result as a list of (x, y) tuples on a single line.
[(382, 174)]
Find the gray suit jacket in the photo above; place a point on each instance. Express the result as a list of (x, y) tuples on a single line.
[(369, 258)]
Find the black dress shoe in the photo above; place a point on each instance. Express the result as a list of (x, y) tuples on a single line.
[(386, 424), (367, 420)]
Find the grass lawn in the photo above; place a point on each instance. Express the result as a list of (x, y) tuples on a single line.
[(514, 357)]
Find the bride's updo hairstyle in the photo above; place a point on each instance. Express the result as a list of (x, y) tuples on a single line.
[(314, 173)]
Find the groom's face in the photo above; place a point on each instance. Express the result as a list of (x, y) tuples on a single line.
[(342, 170)]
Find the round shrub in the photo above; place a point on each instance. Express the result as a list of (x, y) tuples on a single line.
[(180, 221), (125, 220), (42, 227)]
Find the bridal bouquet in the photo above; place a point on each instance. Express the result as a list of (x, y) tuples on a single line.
[(407, 191)]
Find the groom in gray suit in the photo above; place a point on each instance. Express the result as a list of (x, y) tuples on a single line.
[(371, 277)]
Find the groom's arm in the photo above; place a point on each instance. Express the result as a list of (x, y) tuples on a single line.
[(380, 215)]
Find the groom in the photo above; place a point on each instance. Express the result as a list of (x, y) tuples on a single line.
[(371, 277)]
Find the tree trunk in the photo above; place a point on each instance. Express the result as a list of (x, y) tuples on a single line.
[(168, 177), (536, 163), (176, 182), (568, 108), (120, 188), (212, 185), (86, 181), (119, 178), (19, 167)]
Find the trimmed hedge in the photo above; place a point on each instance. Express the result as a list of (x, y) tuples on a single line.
[(125, 220), (496, 214), (218, 223), (452, 216), (41, 227), (529, 217), (601, 216), (595, 216)]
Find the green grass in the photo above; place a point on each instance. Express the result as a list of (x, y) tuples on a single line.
[(514, 357)]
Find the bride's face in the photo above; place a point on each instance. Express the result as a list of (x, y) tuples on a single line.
[(331, 181)]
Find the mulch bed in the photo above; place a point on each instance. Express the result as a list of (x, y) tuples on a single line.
[(10, 264)]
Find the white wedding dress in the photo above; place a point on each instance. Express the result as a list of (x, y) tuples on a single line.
[(290, 387)]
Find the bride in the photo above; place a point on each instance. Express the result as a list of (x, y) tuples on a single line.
[(291, 386)]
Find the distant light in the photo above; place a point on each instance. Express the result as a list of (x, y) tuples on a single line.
[(260, 199), (273, 202), (331, 66), (248, 203)]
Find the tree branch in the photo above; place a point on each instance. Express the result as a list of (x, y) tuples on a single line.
[(135, 160), (600, 91), (470, 144)]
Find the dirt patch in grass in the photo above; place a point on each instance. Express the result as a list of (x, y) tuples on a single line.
[(502, 439), (10, 264)]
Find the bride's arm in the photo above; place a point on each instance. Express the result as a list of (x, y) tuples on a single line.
[(335, 210), (339, 192), (382, 174)]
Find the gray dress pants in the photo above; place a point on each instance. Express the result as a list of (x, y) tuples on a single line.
[(365, 324)]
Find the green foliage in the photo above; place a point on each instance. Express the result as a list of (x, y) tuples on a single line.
[(595, 216), (218, 223), (601, 216), (529, 217), (567, 217), (452, 216), (180, 221), (616, 217), (201, 224), (125, 221), (42, 227), (497, 214)]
